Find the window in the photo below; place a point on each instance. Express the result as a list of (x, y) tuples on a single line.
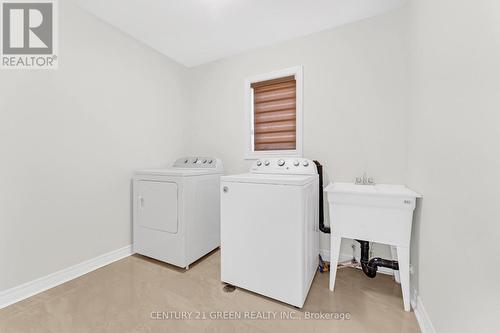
[(274, 114)]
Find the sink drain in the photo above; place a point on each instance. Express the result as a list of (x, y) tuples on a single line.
[(229, 288)]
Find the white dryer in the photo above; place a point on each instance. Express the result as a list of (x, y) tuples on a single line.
[(269, 229), (176, 211)]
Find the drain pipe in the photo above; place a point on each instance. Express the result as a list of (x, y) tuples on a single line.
[(322, 226), (371, 266)]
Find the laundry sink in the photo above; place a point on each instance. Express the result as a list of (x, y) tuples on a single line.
[(380, 189), (383, 195), (379, 213)]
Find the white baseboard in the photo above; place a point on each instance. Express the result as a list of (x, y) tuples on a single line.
[(325, 255), (421, 314), (18, 293), (34, 287)]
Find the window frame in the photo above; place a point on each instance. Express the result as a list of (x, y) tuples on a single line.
[(250, 153)]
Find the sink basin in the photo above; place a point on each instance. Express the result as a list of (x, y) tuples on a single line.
[(377, 189)]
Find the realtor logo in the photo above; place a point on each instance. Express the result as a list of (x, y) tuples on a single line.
[(28, 34)]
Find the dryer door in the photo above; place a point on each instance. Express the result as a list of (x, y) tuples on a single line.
[(157, 205)]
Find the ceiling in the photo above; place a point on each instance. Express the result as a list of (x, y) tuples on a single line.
[(193, 32)]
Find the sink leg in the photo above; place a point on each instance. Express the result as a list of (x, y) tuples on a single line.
[(334, 258), (394, 254), (404, 272)]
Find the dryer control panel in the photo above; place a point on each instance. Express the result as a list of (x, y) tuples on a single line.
[(199, 162), (284, 165)]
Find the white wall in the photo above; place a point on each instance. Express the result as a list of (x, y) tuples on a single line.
[(69, 141), (355, 95), (454, 160), (72, 137)]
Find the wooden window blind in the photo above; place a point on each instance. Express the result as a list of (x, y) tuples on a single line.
[(274, 107)]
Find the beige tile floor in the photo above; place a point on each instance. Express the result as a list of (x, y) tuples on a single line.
[(121, 297)]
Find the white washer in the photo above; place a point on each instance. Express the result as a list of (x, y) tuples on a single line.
[(177, 210), (269, 229)]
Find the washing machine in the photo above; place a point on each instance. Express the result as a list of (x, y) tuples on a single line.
[(176, 211), (269, 228)]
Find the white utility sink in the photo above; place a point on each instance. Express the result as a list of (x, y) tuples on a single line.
[(379, 189), (379, 213)]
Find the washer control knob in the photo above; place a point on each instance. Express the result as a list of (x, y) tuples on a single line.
[(204, 161), (210, 161), (186, 160), (296, 163), (305, 163), (266, 162), (259, 163), (281, 162), (195, 160)]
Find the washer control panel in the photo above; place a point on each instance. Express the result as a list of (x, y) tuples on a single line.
[(284, 165), (198, 162)]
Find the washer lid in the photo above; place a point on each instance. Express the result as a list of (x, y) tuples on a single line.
[(177, 172), (276, 179)]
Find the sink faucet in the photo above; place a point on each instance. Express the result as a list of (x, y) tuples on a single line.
[(364, 180)]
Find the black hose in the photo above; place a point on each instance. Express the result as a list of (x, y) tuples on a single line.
[(371, 266), (379, 262), (322, 226)]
